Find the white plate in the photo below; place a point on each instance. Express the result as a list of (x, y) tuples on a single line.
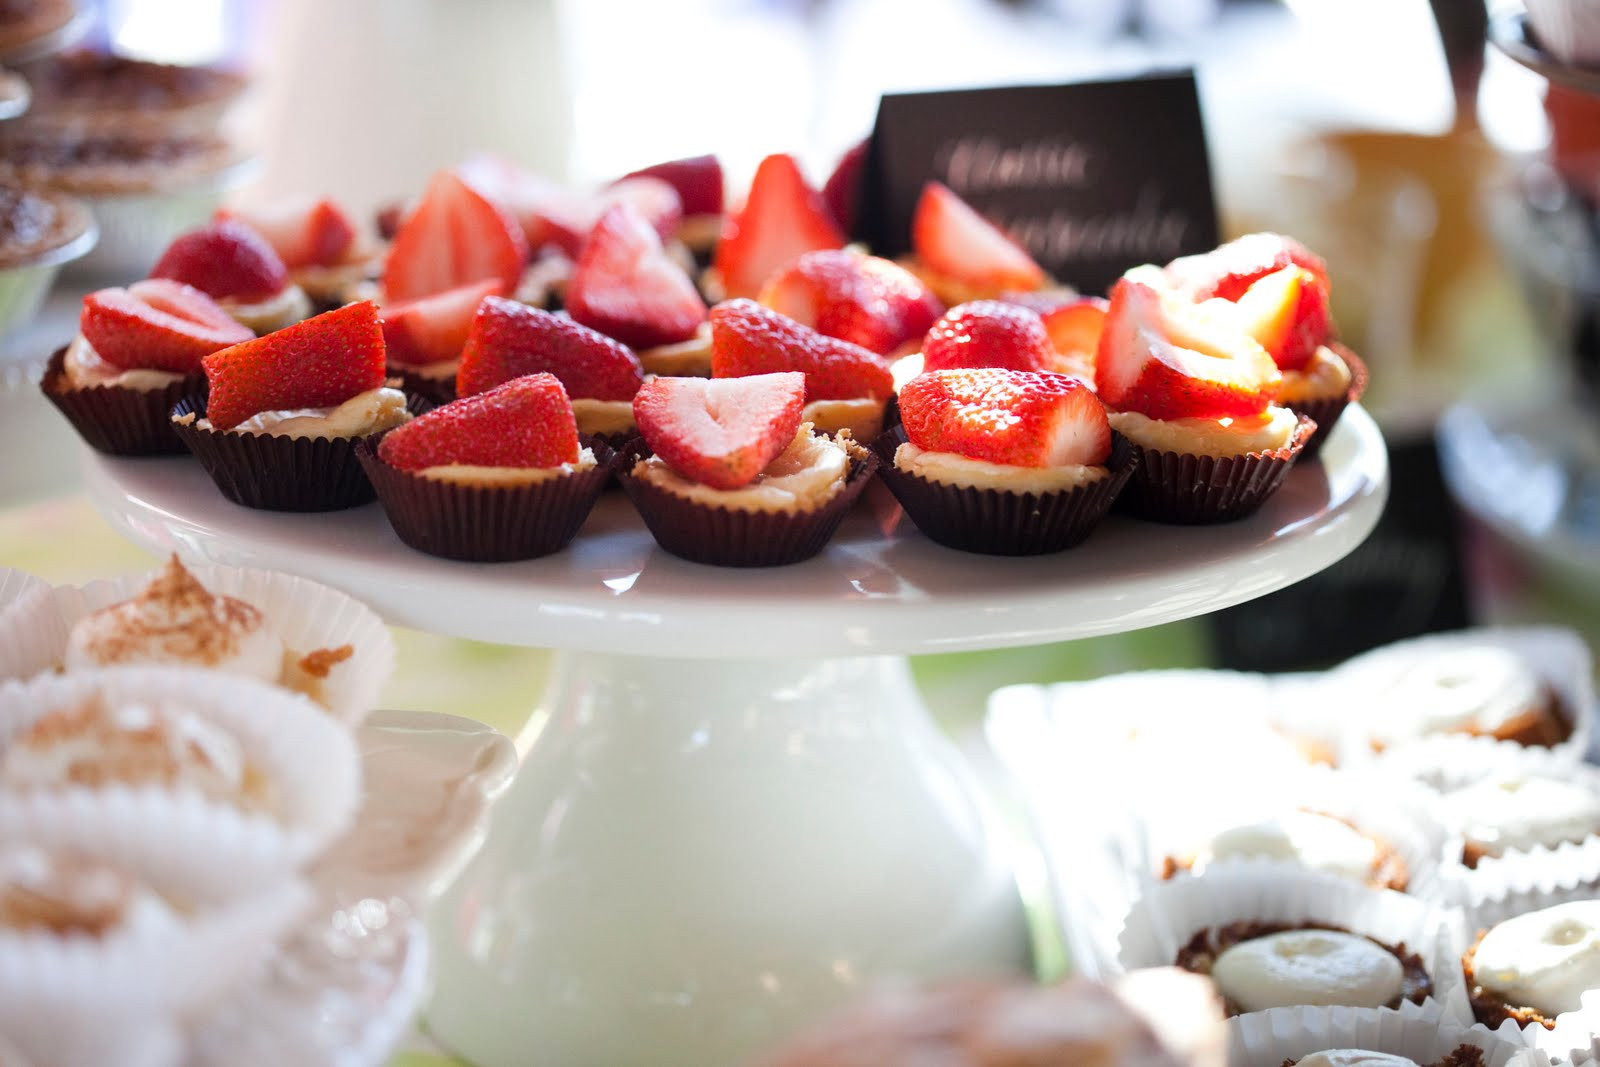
[(613, 589)]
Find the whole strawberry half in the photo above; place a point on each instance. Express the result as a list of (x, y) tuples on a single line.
[(158, 324), (1167, 359), (697, 179), (454, 237), (225, 260), (318, 363), (720, 432), (1287, 312), (1016, 418), (509, 340), (434, 329), (304, 232), (866, 300), (626, 286), (957, 242), (781, 218), (748, 339), (987, 333), (527, 422), (1229, 269)]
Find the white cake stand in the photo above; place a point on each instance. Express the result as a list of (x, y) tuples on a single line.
[(737, 811)]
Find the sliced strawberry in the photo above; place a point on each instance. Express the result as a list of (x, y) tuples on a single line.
[(304, 232), (653, 199), (987, 333), (321, 362), (1287, 312), (1228, 270), (454, 237), (1018, 418), (698, 180), (748, 339), (508, 340), (527, 422), (957, 242), (224, 260), (720, 432), (434, 329), (157, 324), (1075, 328), (858, 298), (627, 287), (548, 213), (1168, 360), (780, 219), (842, 191)]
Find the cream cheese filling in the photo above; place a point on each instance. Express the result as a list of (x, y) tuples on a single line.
[(949, 468), (274, 313), (805, 475), (86, 370), (1326, 375), (363, 414), (497, 477), (691, 358), (603, 416), (1227, 436)]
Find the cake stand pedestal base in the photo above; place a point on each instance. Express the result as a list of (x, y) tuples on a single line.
[(699, 856)]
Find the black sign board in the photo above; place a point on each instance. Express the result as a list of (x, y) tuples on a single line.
[(1092, 178)]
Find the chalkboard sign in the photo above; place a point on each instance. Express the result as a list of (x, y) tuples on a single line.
[(1092, 178)]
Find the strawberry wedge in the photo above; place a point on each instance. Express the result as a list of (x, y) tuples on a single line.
[(434, 328), (720, 432), (1010, 417), (781, 218), (958, 243), (455, 237), (158, 324), (626, 286)]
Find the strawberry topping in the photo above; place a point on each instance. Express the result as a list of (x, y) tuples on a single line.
[(720, 432), (858, 298), (988, 333), (1015, 418), (1075, 328), (748, 339), (225, 260), (158, 324), (697, 179), (626, 286), (454, 237), (524, 423), (304, 233), (780, 219), (1287, 312), (509, 340), (957, 242), (434, 328), (1228, 270)]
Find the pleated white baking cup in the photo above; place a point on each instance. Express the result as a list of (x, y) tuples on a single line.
[(207, 850), (31, 631), (1163, 921), (1278, 1035), (307, 616), (1394, 812), (1558, 656)]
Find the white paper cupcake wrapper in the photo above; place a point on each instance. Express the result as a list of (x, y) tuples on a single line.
[(30, 630), (305, 615), (1268, 1038), (204, 851), (1164, 920)]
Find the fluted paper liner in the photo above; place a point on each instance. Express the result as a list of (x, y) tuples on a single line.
[(1185, 489), (214, 850), (308, 617), (1000, 523), (730, 537), (30, 628), (1162, 922), (1325, 411), (116, 420), (1270, 1038)]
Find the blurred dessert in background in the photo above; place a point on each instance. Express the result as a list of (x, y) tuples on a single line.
[(87, 91)]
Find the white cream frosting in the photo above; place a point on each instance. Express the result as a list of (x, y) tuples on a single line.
[(949, 468), (805, 475), (862, 416), (85, 370), (1354, 1057), (1320, 842), (1209, 437), (363, 414), (287, 307), (1470, 688), (1518, 811), (490, 477), (1545, 960), (603, 416), (1324, 375), (1308, 967)]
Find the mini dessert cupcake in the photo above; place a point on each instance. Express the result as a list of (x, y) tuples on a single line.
[(318, 242), (238, 269), (962, 256), (627, 287), (40, 232), (137, 353), (1517, 812), (425, 338), (847, 386), (1535, 966), (1003, 462), (1194, 393), (866, 300), (496, 476), (735, 478), (284, 411), (508, 340), (87, 92), (1315, 840), (781, 218)]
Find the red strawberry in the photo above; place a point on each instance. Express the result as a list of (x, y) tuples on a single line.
[(303, 232), (842, 191), (547, 212), (698, 180), (626, 286), (433, 329), (1228, 270), (1075, 328), (748, 339), (527, 422), (987, 333), (1018, 418), (159, 324), (320, 362), (1287, 312), (781, 218), (653, 199), (720, 432), (454, 237), (862, 299), (224, 259), (1167, 360), (957, 242), (508, 340)]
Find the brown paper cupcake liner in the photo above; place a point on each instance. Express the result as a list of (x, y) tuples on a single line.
[(998, 523), (1186, 489), (485, 524), (618, 442), (115, 420), (435, 391), (728, 537), (1325, 411), (277, 473)]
